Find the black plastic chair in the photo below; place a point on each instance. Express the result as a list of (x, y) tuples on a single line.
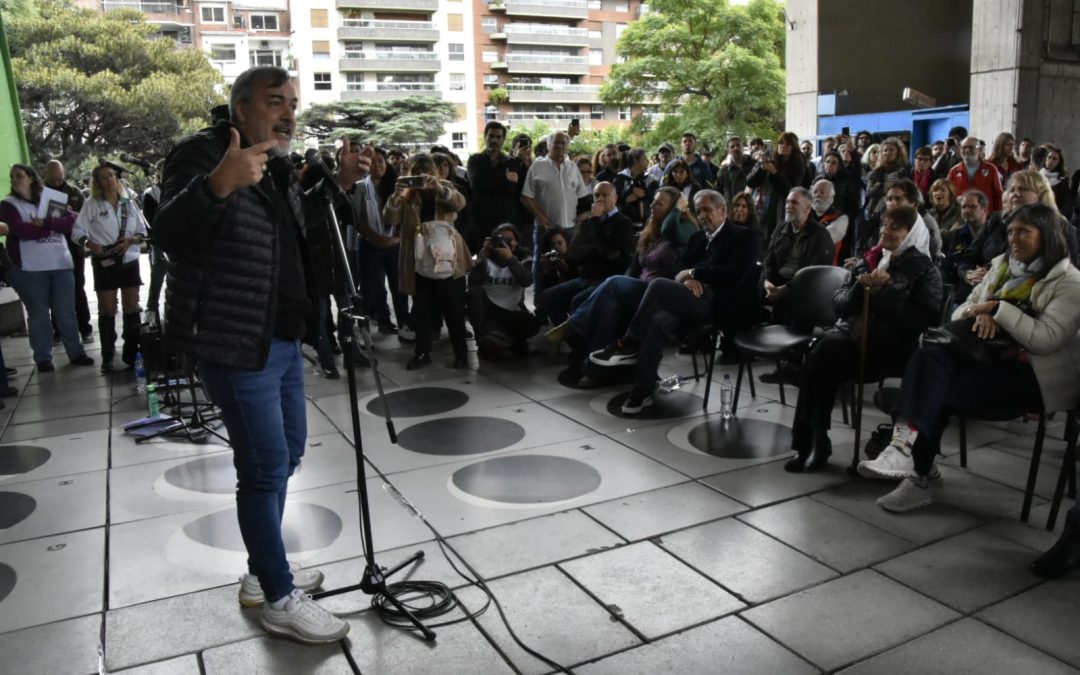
[(1068, 469), (810, 299)]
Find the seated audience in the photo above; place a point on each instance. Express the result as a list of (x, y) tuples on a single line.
[(972, 172), (826, 213), (905, 298), (679, 177), (801, 241), (944, 208), (974, 212), (553, 265), (1030, 294), (891, 167)]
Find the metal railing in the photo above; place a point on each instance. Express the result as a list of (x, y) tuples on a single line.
[(576, 4), (568, 88), (142, 6), (393, 86), (544, 58), (388, 25), (520, 116), (383, 55), (544, 29)]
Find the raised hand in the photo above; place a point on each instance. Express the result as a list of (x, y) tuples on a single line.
[(240, 167)]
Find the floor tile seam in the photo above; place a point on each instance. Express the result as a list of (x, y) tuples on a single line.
[(1036, 499), (898, 645), (980, 523), (622, 620), (661, 462), (650, 537), (56, 622), (840, 573), (196, 455), (100, 526), (107, 544), (965, 613), (776, 642), (880, 529), (1017, 637), (8, 482), (1035, 494), (735, 594)]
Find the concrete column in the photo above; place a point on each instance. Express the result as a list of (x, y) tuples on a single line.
[(801, 59)]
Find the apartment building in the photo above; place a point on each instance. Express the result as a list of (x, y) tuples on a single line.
[(546, 59)]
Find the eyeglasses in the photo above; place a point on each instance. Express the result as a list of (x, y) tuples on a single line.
[(969, 148), (922, 159)]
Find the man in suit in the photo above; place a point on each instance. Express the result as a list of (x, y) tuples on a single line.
[(719, 284)]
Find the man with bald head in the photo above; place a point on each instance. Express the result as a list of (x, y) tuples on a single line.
[(602, 246), (554, 193), (975, 173), (56, 178)]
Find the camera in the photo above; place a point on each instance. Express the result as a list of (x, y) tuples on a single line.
[(552, 256), (411, 181)]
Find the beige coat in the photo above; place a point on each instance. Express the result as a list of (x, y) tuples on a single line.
[(1051, 337), (405, 215)]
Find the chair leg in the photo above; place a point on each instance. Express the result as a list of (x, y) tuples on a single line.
[(693, 360), (962, 425), (844, 399), (780, 373), (710, 361), (1033, 472), (738, 385), (750, 378), (1068, 470)]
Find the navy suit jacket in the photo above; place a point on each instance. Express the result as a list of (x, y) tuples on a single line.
[(728, 265)]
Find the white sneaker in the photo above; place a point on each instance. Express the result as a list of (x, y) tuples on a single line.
[(893, 463), (406, 334), (910, 494), (251, 594), (303, 620)]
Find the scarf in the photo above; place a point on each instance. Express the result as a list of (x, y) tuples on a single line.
[(1015, 281), (1052, 177), (918, 237)]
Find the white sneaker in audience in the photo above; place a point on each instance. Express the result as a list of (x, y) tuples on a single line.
[(251, 594), (911, 493), (303, 620), (895, 460)]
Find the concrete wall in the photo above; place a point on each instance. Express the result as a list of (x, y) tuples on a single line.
[(801, 60)]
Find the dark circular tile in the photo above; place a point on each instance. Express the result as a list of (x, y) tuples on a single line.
[(527, 479), (672, 405), (213, 475), (419, 402), (461, 435), (21, 458), (15, 507), (570, 377), (307, 527), (7, 581), (741, 438)]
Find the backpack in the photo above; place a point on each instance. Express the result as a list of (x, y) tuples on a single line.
[(436, 250)]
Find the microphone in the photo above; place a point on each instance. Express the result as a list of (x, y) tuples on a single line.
[(318, 167), (115, 167), (137, 162)]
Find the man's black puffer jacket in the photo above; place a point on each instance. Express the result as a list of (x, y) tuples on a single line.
[(221, 299)]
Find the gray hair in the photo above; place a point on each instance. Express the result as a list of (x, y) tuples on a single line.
[(829, 183), (802, 192), (245, 84), (712, 195), (984, 202)]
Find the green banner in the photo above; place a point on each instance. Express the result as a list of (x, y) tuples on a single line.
[(13, 146)]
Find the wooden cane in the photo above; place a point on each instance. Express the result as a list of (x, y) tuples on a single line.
[(857, 404)]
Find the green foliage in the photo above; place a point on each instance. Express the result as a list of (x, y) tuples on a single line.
[(712, 67), (399, 121), (98, 84), (498, 95), (585, 143), (12, 9)]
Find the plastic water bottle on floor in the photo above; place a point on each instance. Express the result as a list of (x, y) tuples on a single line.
[(140, 373), (669, 384), (152, 400), (727, 395)]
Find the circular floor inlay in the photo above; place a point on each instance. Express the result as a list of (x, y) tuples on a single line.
[(419, 402), (461, 435), (214, 475), (15, 507), (307, 527), (741, 438), (527, 479), (21, 458), (672, 405), (7, 581)]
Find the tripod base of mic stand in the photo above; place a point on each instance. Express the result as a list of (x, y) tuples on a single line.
[(373, 582)]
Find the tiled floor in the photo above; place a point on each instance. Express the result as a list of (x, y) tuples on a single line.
[(614, 545)]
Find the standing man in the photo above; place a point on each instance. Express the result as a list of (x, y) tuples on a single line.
[(56, 178), (698, 168), (494, 177), (973, 173), (553, 194), (240, 299), (731, 179)]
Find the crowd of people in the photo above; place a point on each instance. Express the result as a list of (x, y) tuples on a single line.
[(621, 253)]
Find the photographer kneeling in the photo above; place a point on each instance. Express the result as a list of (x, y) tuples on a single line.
[(497, 286)]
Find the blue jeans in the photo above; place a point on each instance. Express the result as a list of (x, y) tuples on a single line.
[(43, 292), (603, 316), (265, 414), (557, 302)]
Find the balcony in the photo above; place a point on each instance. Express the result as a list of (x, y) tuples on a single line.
[(384, 91), (415, 62), (387, 5), (538, 63), (555, 119), (562, 9), (371, 29), (541, 34), (146, 7), (553, 93)]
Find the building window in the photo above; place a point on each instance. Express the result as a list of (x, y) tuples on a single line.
[(266, 57), (222, 52), (491, 80), (320, 18), (459, 139), (320, 47), (624, 113), (322, 82), (595, 5), (596, 57), (489, 24), (264, 22), (489, 57), (457, 81), (619, 28), (455, 22), (597, 112), (622, 7), (354, 81), (213, 15), (595, 35), (457, 51)]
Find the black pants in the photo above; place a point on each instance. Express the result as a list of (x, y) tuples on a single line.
[(376, 267), (485, 316), (936, 385), (82, 307), (439, 297), (667, 310)]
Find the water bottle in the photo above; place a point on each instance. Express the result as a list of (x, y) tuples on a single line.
[(669, 384), (152, 400), (140, 373), (727, 395)]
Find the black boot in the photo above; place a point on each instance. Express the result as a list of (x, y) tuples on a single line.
[(819, 455), (800, 442), (1064, 556), (132, 322), (107, 334)]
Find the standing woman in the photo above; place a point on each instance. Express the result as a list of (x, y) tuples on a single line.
[(43, 275), (1055, 173), (1002, 157), (111, 226), (775, 176)]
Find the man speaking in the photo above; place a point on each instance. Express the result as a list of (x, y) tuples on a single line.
[(232, 223)]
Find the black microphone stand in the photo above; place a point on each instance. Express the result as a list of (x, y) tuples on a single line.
[(373, 581)]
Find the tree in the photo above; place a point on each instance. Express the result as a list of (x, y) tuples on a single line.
[(399, 121), (712, 67), (99, 84)]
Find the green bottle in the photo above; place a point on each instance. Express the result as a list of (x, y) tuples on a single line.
[(152, 400)]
